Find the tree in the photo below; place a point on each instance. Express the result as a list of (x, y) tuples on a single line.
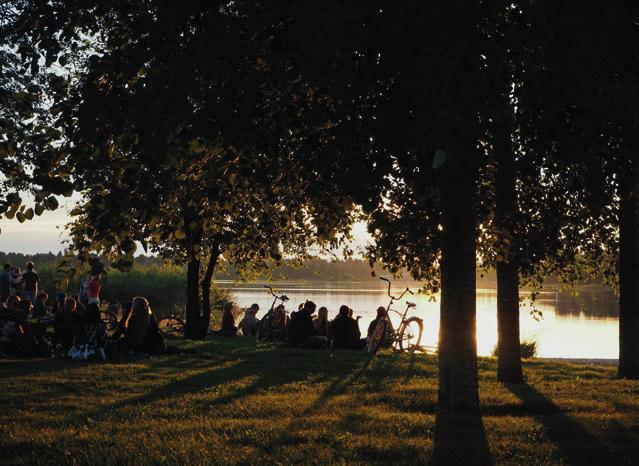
[(420, 99), (27, 158), (206, 174), (594, 74)]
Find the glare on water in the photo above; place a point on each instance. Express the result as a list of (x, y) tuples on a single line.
[(572, 326)]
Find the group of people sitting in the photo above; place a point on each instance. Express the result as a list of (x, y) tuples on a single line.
[(77, 323), (304, 328)]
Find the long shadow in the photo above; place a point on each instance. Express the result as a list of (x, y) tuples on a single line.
[(460, 439), (337, 386), (216, 370), (206, 379), (575, 443)]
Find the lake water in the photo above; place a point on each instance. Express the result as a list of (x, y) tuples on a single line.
[(578, 324)]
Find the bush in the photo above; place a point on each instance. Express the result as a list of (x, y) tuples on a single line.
[(527, 349), (163, 286)]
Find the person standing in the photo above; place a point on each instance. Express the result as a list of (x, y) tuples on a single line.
[(17, 285), (31, 281), (5, 284), (93, 290)]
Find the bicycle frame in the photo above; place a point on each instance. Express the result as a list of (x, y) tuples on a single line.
[(282, 298), (393, 299)]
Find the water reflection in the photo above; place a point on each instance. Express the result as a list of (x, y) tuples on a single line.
[(578, 324)]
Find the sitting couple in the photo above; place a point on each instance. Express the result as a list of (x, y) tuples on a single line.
[(248, 325)]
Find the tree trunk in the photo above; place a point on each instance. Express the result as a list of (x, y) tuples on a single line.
[(508, 345), (193, 311), (458, 384), (629, 272), (206, 291)]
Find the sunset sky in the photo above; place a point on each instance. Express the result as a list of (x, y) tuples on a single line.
[(46, 233)]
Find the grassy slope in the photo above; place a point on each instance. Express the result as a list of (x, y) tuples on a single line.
[(233, 402)]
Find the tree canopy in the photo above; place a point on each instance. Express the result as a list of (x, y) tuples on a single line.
[(497, 134)]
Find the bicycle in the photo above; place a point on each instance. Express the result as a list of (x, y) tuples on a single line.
[(409, 333), (172, 326), (272, 325), (17, 338)]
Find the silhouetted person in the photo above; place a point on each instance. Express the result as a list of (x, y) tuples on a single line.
[(381, 313), (68, 325), (345, 331), (92, 291), (95, 332), (300, 327), (80, 305), (40, 306), (60, 298), (249, 322), (320, 324), (5, 284), (31, 282), (17, 285), (228, 328), (142, 333), (13, 303)]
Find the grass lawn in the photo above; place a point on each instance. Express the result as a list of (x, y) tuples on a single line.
[(234, 402)]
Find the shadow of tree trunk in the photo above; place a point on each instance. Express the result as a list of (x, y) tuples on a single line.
[(460, 439), (576, 444)]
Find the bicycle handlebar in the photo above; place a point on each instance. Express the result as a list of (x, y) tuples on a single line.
[(271, 292), (407, 290)]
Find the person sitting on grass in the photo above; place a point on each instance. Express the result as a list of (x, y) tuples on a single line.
[(320, 324), (95, 332), (228, 328), (249, 322), (67, 327), (141, 331), (79, 304), (300, 327), (60, 298), (13, 303), (40, 305), (381, 314), (345, 331)]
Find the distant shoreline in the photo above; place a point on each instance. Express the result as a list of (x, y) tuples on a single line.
[(581, 361)]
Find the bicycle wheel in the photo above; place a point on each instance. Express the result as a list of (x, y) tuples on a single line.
[(410, 335), (377, 338), (15, 336), (265, 328), (171, 326)]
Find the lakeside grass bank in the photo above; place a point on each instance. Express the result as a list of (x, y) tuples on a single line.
[(235, 403)]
